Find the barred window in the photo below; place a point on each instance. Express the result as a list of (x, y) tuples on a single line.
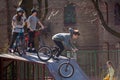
[(69, 15), (117, 14)]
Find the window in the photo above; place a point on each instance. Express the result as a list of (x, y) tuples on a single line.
[(69, 15), (117, 14)]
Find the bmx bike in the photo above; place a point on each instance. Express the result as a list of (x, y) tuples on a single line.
[(65, 69), (18, 46)]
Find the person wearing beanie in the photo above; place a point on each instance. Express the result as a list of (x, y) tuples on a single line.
[(31, 23), (63, 40)]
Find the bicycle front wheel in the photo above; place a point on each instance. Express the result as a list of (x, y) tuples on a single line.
[(44, 53), (66, 70)]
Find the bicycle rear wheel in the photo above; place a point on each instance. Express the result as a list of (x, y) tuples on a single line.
[(44, 53), (21, 47), (66, 70)]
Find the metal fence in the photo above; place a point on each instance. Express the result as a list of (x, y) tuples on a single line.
[(93, 62), (20, 70)]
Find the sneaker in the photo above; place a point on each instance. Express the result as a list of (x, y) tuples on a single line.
[(33, 50), (28, 50), (11, 50)]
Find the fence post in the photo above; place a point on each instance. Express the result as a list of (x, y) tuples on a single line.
[(43, 72), (1, 68), (74, 55)]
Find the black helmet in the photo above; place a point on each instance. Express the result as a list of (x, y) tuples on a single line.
[(19, 9), (76, 32), (33, 10)]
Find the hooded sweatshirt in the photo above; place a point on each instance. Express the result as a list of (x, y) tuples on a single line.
[(65, 38)]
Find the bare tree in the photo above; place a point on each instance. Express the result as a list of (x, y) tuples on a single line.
[(45, 9), (113, 32), (27, 5)]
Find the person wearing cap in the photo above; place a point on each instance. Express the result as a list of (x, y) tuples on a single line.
[(32, 22), (64, 40), (18, 22)]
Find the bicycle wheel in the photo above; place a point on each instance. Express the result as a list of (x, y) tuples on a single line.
[(44, 53), (20, 47), (66, 70)]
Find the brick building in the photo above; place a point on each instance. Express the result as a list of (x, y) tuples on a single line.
[(86, 20), (83, 17), (62, 14)]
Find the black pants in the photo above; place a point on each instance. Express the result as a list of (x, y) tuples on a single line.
[(61, 47), (31, 42), (14, 37)]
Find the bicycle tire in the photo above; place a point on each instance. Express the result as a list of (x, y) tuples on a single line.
[(21, 48), (44, 53), (66, 70)]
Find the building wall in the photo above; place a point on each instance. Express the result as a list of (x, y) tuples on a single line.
[(105, 36), (92, 33), (6, 10), (88, 29)]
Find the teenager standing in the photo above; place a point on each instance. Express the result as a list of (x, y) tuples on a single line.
[(32, 22)]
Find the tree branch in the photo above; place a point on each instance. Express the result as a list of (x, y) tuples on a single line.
[(113, 32)]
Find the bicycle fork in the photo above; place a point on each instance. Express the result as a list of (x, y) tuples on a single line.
[(67, 65)]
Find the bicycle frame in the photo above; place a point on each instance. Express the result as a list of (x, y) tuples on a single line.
[(54, 50), (19, 37), (37, 33), (18, 44)]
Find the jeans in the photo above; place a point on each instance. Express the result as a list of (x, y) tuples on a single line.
[(61, 47), (14, 37), (31, 42)]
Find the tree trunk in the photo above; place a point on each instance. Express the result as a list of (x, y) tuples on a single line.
[(27, 5)]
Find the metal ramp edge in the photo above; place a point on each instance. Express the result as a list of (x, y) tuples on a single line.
[(32, 57)]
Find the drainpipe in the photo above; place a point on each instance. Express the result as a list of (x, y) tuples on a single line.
[(107, 19)]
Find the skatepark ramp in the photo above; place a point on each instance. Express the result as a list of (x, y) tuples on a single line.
[(52, 65), (78, 73)]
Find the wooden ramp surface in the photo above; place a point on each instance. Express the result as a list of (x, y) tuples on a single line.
[(78, 73)]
